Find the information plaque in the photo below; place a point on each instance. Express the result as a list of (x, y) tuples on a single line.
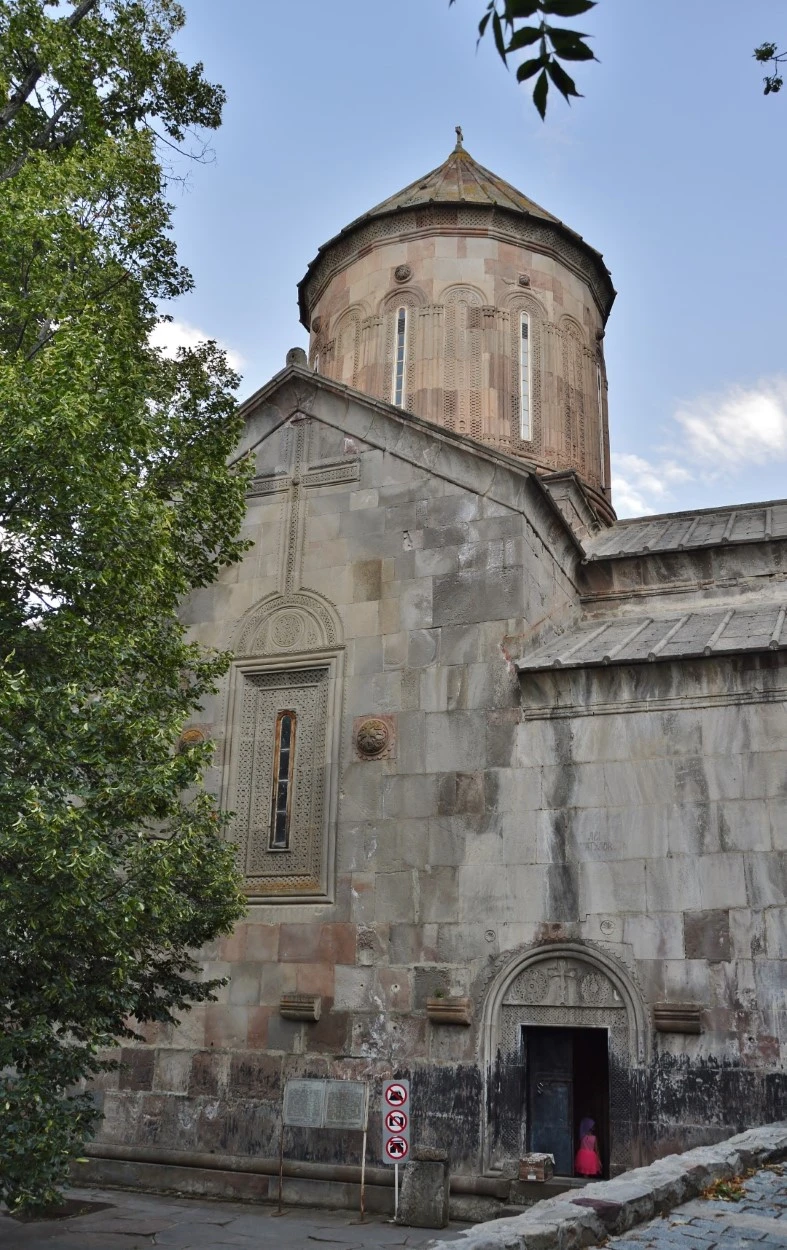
[(345, 1105), (325, 1104), (304, 1104)]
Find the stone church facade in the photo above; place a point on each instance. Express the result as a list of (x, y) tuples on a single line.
[(508, 776)]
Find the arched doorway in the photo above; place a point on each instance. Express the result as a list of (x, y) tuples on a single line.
[(564, 1034)]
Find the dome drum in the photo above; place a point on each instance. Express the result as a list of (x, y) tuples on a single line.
[(485, 316)]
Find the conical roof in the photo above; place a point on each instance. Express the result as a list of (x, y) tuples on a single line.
[(459, 180)]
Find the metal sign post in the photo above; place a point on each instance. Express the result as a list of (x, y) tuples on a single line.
[(396, 1129), (342, 1105)]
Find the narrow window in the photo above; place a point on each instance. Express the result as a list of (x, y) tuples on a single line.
[(317, 363), (282, 781), (524, 371), (600, 389), (398, 372)]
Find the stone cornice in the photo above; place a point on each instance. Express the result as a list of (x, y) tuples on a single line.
[(550, 238)]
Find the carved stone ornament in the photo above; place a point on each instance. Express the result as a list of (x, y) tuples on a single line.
[(300, 1006), (677, 1018), (191, 737), (403, 273), (316, 325), (524, 279), (450, 1010), (374, 737)]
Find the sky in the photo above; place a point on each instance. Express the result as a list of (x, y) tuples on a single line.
[(672, 164)]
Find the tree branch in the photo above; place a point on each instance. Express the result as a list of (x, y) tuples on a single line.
[(35, 69)]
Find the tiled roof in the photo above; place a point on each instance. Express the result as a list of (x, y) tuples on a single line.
[(720, 630), (459, 180), (678, 531)]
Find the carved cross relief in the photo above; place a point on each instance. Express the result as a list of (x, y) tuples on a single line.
[(302, 476)]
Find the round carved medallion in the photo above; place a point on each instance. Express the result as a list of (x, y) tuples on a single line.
[(403, 273), (534, 985), (594, 988), (372, 738), (190, 738), (316, 325), (287, 630)]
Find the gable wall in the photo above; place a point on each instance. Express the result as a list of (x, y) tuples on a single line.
[(637, 814)]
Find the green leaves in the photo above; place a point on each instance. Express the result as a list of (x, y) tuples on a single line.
[(774, 81), (116, 501), (557, 43)]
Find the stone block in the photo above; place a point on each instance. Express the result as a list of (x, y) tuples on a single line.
[(136, 1068), (394, 897), (244, 986), (722, 881), (447, 840), (409, 796), (744, 826), (455, 740), (672, 885), (225, 1025), (459, 644), (205, 1072), (415, 604), (655, 936), (706, 935), (330, 1035), (423, 646), (437, 888), (462, 598), (461, 794), (423, 1202), (766, 879), (395, 647), (776, 932), (367, 580), (255, 1075), (262, 942)]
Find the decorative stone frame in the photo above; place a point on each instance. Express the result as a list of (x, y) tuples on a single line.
[(561, 985), (413, 299), (295, 634), (463, 353), (350, 322), (515, 305)]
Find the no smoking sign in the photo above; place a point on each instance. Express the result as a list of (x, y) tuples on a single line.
[(396, 1121)]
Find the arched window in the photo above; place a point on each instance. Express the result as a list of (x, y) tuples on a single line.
[(282, 781), (524, 378), (399, 355), (600, 392)]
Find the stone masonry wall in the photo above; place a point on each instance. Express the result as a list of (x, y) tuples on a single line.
[(505, 820)]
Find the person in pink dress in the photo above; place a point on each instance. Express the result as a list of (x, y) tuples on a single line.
[(588, 1160)]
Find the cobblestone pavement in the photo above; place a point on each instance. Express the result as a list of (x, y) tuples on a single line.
[(757, 1222), (135, 1221)]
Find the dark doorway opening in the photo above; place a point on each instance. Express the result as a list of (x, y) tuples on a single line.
[(567, 1080)]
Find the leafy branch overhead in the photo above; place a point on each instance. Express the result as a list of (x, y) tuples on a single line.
[(768, 53), (513, 32)]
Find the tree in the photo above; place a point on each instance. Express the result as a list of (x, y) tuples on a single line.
[(116, 500), (769, 53), (558, 43)]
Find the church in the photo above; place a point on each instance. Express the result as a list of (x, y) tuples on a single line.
[(508, 776)]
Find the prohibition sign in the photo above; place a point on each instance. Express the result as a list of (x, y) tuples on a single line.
[(396, 1121), (396, 1095), (396, 1148)]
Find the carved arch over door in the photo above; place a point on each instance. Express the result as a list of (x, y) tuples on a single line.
[(564, 985)]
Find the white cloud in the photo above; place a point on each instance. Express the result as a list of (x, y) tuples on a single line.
[(717, 435), (640, 486), (170, 335), (740, 425)]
